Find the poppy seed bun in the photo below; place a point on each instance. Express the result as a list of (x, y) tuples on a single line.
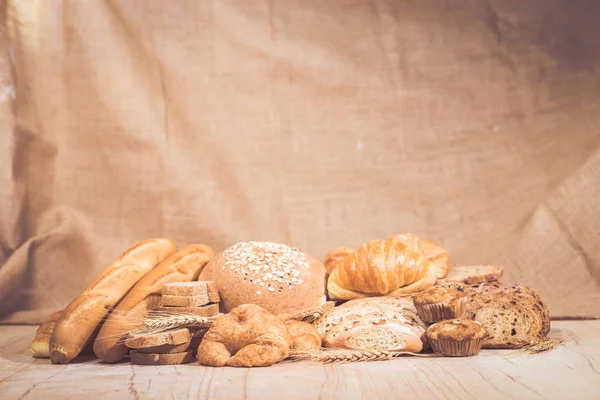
[(274, 276)]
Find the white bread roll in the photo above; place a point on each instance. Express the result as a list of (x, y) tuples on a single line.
[(274, 276), (374, 324)]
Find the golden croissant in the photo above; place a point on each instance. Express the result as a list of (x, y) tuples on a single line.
[(389, 267)]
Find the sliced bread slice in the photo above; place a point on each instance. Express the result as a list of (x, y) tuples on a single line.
[(530, 299), (507, 322), (473, 274)]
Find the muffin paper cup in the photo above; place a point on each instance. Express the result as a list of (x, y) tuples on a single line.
[(453, 348), (440, 311)]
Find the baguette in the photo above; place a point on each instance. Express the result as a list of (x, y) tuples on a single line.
[(183, 266), (78, 322), (40, 346)]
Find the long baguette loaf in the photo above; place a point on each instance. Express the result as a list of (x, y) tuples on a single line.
[(40, 345), (183, 266), (83, 316)]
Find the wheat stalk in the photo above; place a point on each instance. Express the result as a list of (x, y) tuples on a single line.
[(312, 315), (160, 321), (540, 345), (337, 356)]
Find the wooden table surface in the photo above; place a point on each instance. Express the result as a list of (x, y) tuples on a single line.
[(571, 371)]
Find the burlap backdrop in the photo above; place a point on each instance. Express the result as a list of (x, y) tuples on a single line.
[(309, 122)]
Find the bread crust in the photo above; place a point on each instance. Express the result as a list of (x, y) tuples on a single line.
[(171, 337), (209, 310), (138, 357), (184, 301), (82, 317), (40, 345), (182, 266), (474, 274)]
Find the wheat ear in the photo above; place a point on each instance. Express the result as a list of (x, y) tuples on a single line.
[(539, 345), (312, 315), (337, 356), (160, 321)]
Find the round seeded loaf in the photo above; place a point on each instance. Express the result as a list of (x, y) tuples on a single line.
[(274, 276)]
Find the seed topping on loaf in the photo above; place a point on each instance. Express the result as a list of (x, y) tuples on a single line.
[(269, 266)]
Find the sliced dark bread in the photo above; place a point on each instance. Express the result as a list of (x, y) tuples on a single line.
[(529, 298), (473, 274), (507, 322)]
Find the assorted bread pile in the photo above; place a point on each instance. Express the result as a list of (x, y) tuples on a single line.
[(259, 303)]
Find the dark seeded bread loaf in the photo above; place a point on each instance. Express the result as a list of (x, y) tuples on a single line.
[(512, 316), (473, 274), (507, 323)]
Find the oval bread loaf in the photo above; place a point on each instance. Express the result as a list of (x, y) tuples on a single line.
[(183, 266), (82, 317)]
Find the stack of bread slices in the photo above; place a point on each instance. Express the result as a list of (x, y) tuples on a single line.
[(176, 346)]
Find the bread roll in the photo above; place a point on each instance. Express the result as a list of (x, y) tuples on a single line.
[(274, 276), (182, 266), (374, 324), (82, 317)]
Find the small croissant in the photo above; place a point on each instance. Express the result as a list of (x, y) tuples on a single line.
[(390, 267)]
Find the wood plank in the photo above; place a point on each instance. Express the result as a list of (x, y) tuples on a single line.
[(571, 371)]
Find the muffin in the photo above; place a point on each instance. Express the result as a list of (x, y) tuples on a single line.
[(456, 337), (440, 303)]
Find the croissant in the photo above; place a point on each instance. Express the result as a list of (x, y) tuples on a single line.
[(248, 336), (379, 267), (432, 251)]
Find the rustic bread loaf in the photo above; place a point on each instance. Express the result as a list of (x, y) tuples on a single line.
[(274, 276), (512, 316), (184, 265), (80, 320), (508, 323), (527, 296)]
